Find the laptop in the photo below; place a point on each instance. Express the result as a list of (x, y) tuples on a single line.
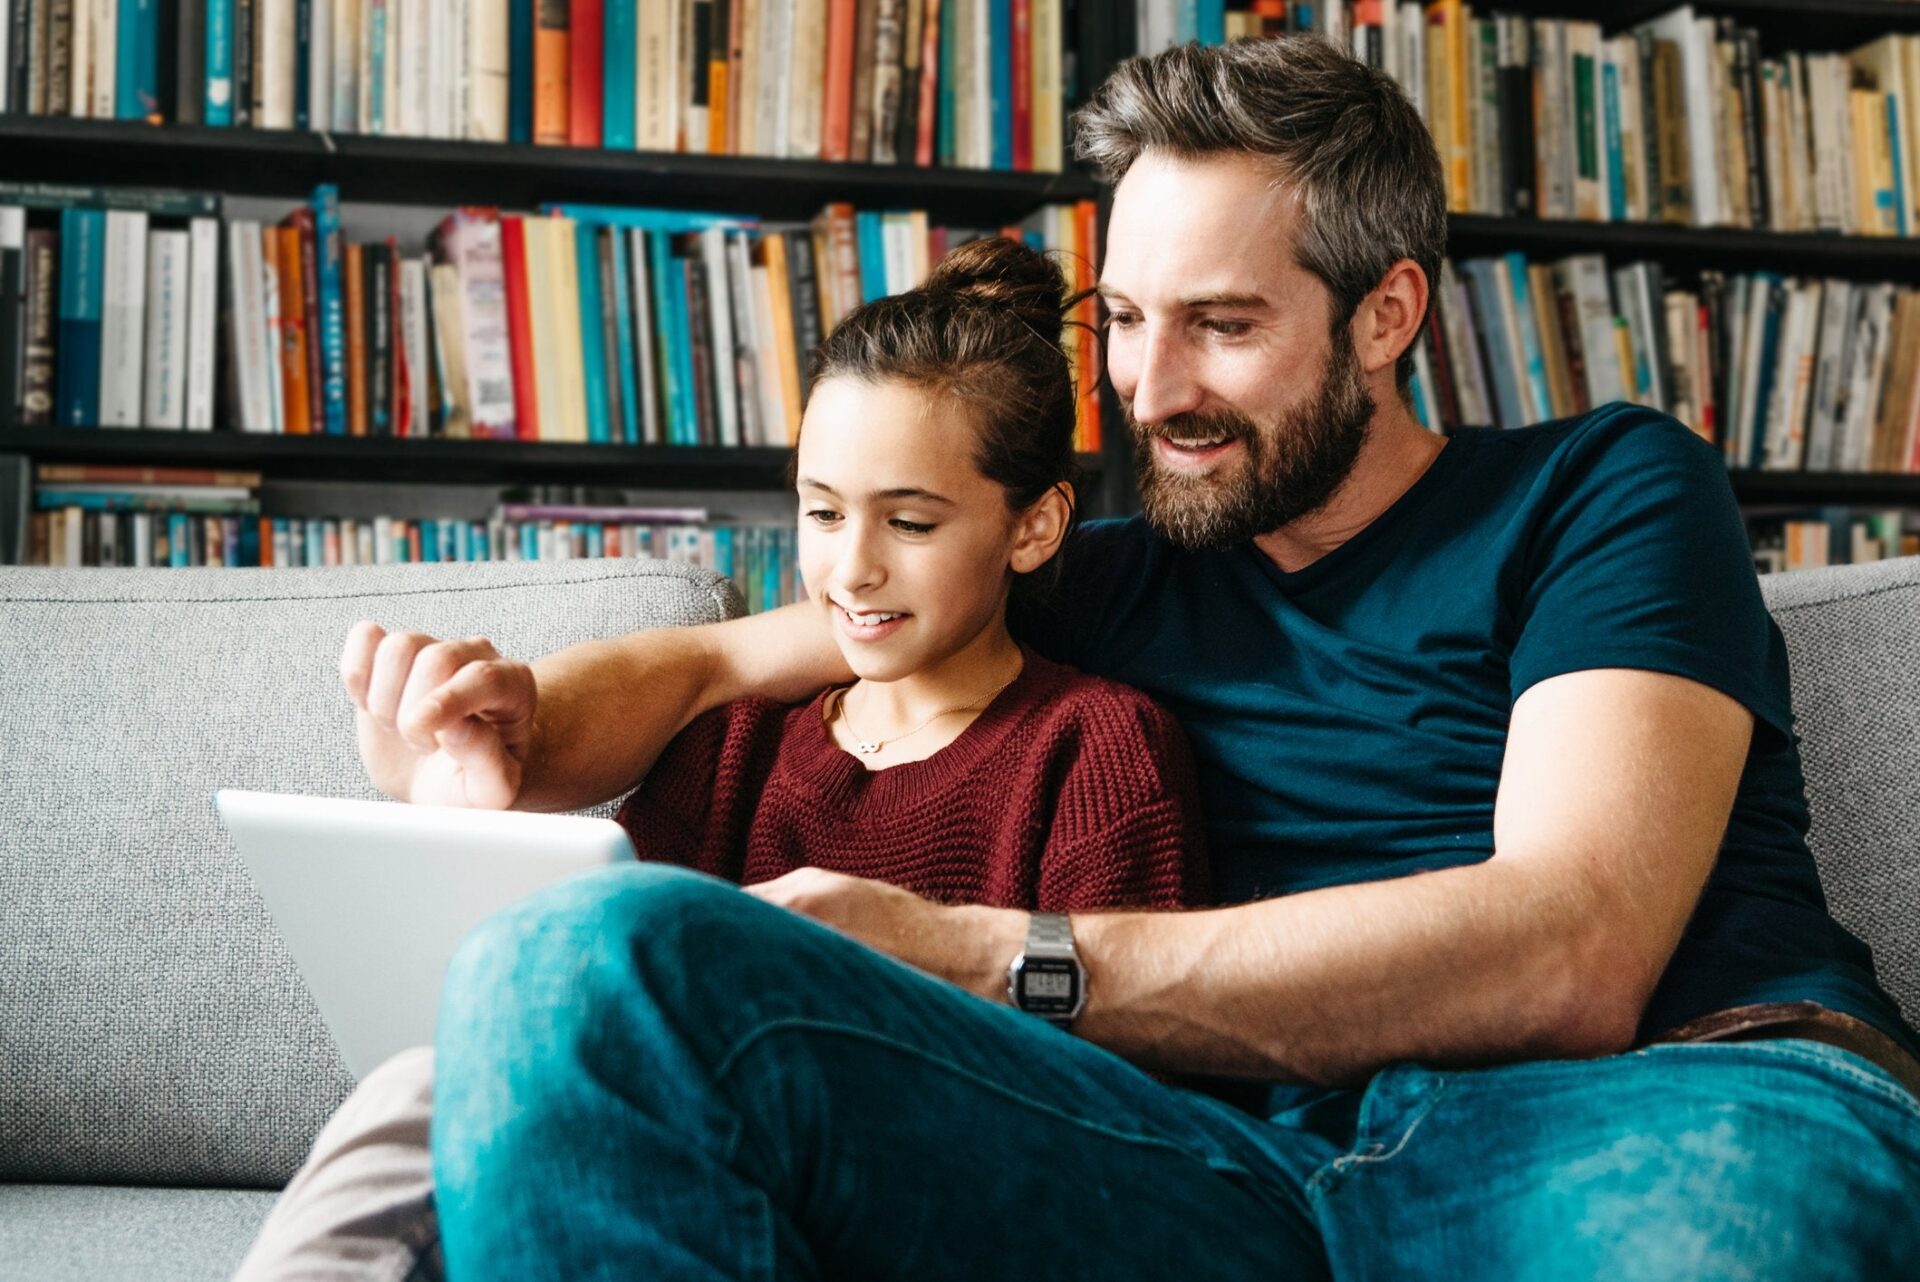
[(373, 898)]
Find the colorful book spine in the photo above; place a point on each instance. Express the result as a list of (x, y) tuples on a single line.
[(513, 262), (592, 349), (137, 61), (333, 308), (83, 246), (624, 333), (618, 103), (520, 70), (999, 54), (218, 109), (586, 55)]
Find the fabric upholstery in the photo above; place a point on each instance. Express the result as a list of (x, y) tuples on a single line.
[(91, 1233), (1853, 634), (152, 1027)]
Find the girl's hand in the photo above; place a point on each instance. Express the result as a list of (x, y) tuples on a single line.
[(441, 723), (965, 944)]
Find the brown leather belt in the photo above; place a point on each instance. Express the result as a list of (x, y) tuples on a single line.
[(1803, 1019)]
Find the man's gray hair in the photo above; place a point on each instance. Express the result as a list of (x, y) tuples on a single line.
[(1340, 134)]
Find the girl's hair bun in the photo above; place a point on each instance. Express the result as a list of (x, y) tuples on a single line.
[(1005, 274)]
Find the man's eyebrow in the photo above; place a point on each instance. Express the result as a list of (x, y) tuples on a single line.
[(897, 492), (1243, 302)]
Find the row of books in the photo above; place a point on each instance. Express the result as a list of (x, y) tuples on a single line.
[(587, 323), (1680, 120), (951, 82), (1783, 374), (1832, 536), (94, 515)]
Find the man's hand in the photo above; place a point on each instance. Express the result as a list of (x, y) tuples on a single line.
[(965, 944), (441, 723)]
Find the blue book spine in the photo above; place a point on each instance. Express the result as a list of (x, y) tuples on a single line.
[(1211, 22), (248, 543), (376, 69), (177, 540), (665, 276), (723, 551), (328, 254), (1776, 288), (1541, 401), (593, 372), (1483, 287), (943, 152), (136, 60), (520, 71), (303, 60), (687, 414), (621, 23), (873, 256), (674, 221), (218, 108), (1616, 157), (1186, 21), (623, 342), (530, 542), (83, 249), (1000, 51), (1900, 179), (596, 540)]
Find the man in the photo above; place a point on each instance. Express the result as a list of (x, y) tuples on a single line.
[(1524, 935)]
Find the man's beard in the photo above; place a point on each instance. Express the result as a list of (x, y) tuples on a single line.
[(1291, 469)]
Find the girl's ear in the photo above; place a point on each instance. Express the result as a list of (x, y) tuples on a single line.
[(1039, 530)]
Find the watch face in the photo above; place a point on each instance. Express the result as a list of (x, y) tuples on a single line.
[(1048, 986)]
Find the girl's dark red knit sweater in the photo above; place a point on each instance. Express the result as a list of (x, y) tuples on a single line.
[(1067, 793)]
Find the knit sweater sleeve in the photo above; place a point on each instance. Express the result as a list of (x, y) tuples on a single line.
[(695, 806), (1127, 830)]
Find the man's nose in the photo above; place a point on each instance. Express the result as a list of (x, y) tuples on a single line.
[(1164, 384)]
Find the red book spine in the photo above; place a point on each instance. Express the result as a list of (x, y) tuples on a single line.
[(929, 85), (513, 262), (1023, 85), (836, 122), (302, 220), (401, 397), (586, 71)]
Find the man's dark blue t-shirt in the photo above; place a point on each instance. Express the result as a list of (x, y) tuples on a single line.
[(1350, 718)]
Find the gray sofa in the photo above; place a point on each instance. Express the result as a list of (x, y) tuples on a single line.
[(162, 1069)]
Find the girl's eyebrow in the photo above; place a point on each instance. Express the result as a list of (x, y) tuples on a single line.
[(899, 492)]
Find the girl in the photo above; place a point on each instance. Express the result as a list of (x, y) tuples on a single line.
[(934, 475)]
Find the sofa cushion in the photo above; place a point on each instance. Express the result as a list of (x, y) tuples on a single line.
[(153, 1029), (95, 1233), (1853, 636)]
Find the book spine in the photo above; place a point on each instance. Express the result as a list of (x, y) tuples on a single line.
[(166, 354), (136, 93), (645, 340), (698, 300), (202, 305), (379, 293), (997, 56), (551, 59), (483, 301), (836, 131), (865, 50), (620, 106), (607, 333), (929, 128), (513, 264), (413, 342), (719, 335), (618, 286), (653, 92), (1021, 83), (302, 64), (123, 314), (240, 53), (319, 65), (42, 290), (313, 318), (586, 55), (13, 307), (520, 70), (344, 59)]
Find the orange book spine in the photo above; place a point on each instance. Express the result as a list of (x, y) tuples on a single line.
[(836, 123), (1087, 274), (717, 104), (552, 76), (786, 348), (356, 342), (929, 106), (293, 334)]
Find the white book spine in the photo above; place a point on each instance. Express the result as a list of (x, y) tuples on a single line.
[(773, 411), (203, 309), (413, 43), (808, 61), (713, 248), (79, 60), (654, 68), (166, 358), (243, 320), (1828, 373), (643, 336), (483, 306), (270, 338), (103, 55), (413, 338), (274, 94), (746, 346), (143, 540), (897, 251), (487, 73), (6, 31), (319, 63), (345, 59), (123, 318), (979, 85), (1413, 56)]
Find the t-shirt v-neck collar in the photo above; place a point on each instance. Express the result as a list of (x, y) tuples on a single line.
[(1452, 454)]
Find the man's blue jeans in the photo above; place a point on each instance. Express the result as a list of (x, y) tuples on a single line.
[(645, 1073)]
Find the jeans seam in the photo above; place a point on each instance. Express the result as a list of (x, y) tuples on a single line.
[(762, 1032), (1872, 1082), (1376, 1153)]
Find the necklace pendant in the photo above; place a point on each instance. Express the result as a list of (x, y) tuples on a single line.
[(866, 749)]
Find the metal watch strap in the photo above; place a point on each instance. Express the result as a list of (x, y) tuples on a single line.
[(1050, 935)]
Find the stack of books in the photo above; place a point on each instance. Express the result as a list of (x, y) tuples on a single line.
[(585, 323), (976, 83), (1783, 374), (108, 305), (1831, 536)]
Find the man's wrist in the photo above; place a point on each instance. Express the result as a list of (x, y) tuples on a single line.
[(996, 936)]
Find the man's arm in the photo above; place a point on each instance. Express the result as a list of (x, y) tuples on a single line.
[(1614, 798)]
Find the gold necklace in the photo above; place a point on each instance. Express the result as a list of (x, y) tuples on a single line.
[(867, 747)]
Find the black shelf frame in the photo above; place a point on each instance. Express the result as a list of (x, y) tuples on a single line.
[(290, 163), (1756, 489), (1732, 249), (1812, 26), (423, 460)]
